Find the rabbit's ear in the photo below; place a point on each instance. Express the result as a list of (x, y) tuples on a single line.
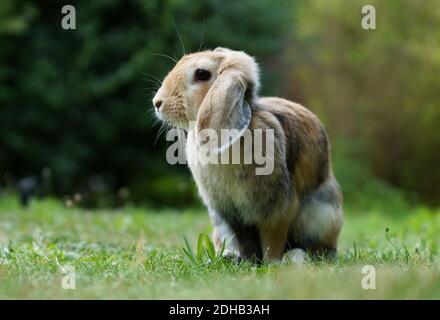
[(224, 107), (220, 49)]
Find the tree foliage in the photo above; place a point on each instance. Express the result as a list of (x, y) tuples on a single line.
[(77, 101), (377, 88)]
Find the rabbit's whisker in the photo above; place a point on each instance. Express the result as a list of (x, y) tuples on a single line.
[(180, 38), (163, 55), (203, 34)]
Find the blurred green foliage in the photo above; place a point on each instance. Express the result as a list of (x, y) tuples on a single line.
[(76, 101), (378, 89)]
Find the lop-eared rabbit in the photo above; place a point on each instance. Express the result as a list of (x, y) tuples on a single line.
[(295, 208)]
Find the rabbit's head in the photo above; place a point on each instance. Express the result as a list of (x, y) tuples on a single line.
[(213, 88)]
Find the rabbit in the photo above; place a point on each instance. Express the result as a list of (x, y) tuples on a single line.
[(295, 208)]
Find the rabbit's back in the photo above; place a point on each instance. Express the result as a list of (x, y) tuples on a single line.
[(318, 218), (307, 149)]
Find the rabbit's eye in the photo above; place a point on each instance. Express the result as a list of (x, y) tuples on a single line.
[(202, 75)]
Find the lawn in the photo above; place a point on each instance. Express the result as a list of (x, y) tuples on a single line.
[(141, 253)]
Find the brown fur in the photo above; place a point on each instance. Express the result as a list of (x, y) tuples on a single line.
[(307, 134), (299, 204)]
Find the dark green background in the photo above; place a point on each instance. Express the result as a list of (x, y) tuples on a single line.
[(74, 103)]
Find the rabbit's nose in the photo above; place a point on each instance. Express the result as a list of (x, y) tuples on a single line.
[(157, 103)]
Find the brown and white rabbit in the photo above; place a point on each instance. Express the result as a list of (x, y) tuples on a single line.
[(299, 205)]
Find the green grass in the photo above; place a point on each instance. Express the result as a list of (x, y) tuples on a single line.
[(141, 254)]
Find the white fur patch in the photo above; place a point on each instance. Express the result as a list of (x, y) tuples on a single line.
[(231, 245), (317, 221), (294, 256)]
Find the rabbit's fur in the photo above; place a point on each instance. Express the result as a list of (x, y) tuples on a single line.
[(298, 205)]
